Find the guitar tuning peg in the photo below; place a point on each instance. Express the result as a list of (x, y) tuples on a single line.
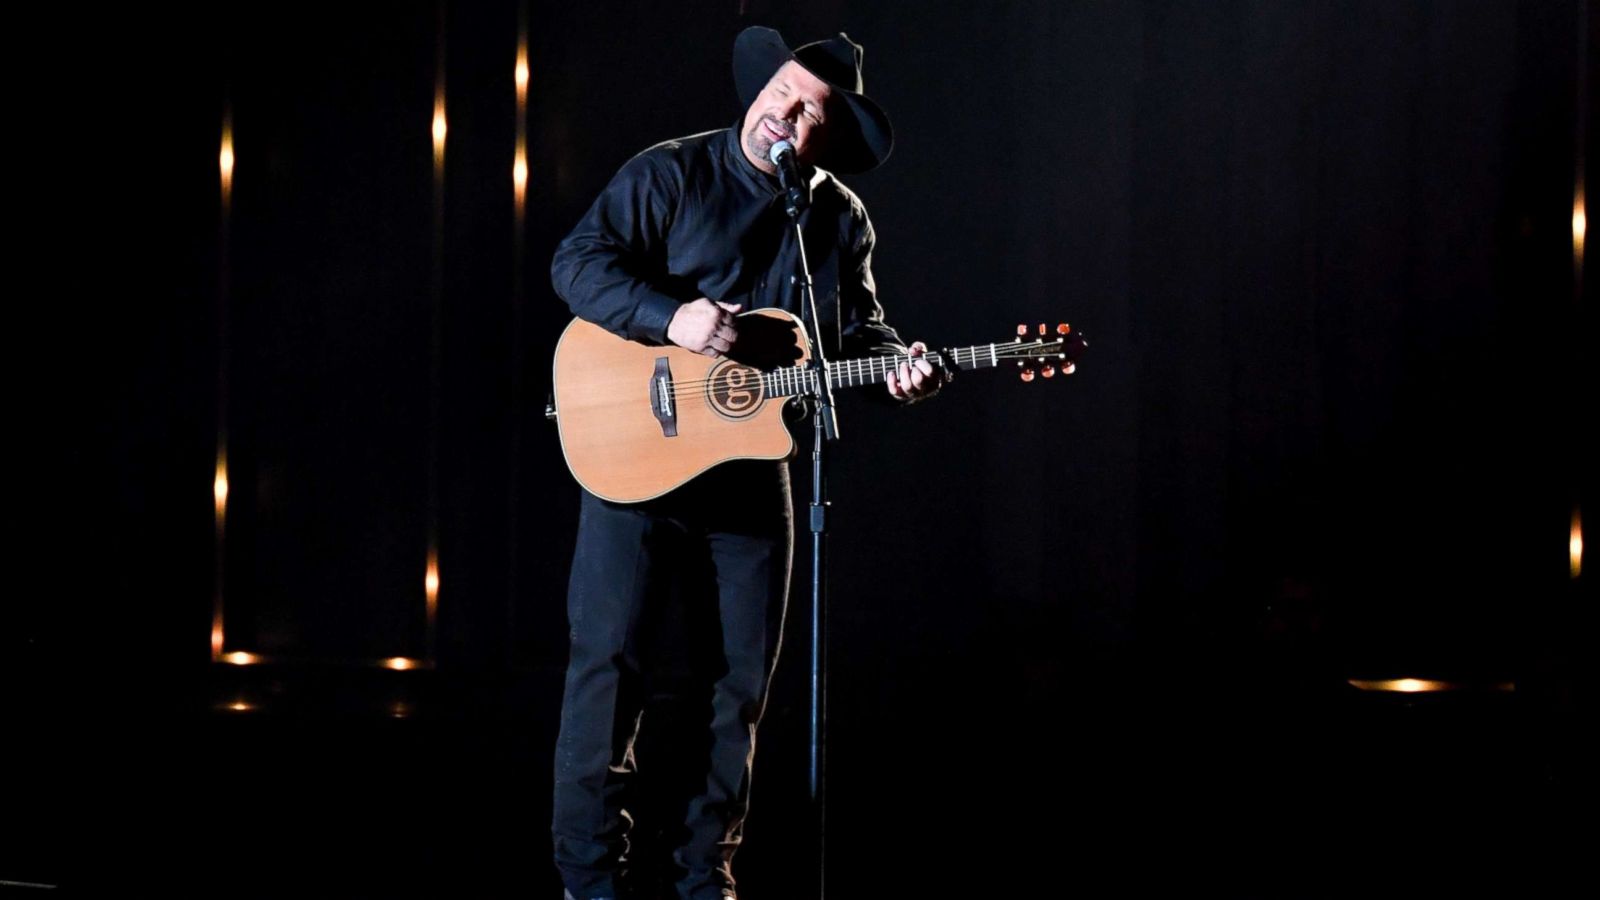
[(1063, 328), (1048, 371), (1042, 331), (1022, 331), (1027, 374)]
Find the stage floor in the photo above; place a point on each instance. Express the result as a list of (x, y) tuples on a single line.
[(336, 782)]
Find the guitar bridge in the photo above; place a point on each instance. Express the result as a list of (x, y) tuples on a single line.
[(661, 398)]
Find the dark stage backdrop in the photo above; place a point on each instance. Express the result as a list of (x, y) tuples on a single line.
[(1326, 427)]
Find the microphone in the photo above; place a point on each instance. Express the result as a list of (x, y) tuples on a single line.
[(796, 190)]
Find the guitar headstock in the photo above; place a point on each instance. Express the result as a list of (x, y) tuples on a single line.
[(1040, 353)]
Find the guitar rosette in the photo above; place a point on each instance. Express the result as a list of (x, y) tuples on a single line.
[(734, 391)]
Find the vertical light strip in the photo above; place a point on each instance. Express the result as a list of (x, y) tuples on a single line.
[(431, 569), (521, 76), (219, 488), (219, 491), (1580, 228), (439, 129), (1580, 141), (225, 159), (519, 166), (430, 586), (1575, 543), (219, 479)]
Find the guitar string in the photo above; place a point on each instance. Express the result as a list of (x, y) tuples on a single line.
[(876, 366), (793, 375), (879, 365)]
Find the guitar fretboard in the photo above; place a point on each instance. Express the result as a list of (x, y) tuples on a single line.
[(797, 380)]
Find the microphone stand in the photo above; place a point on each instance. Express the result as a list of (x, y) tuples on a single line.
[(825, 427)]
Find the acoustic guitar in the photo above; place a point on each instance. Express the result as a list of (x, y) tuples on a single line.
[(637, 421)]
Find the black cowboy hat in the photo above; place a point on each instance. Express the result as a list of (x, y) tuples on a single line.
[(856, 142)]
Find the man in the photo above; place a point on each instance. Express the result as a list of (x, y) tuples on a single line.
[(676, 604)]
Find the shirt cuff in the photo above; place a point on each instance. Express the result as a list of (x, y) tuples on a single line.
[(651, 317)]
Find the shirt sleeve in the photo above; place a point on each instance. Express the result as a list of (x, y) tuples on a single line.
[(863, 331), (607, 269)]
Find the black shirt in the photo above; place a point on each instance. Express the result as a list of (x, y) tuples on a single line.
[(691, 218)]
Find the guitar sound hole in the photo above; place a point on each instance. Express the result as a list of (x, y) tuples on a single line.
[(734, 391)]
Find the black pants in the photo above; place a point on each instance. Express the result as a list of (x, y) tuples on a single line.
[(676, 610)]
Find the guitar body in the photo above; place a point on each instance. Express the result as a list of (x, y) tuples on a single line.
[(638, 421)]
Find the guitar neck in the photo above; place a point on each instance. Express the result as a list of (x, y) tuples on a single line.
[(796, 380)]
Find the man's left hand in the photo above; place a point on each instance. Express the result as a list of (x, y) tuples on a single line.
[(915, 378)]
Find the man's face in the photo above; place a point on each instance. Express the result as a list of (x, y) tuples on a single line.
[(793, 107)]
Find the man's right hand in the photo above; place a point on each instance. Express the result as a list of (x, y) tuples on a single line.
[(704, 326)]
